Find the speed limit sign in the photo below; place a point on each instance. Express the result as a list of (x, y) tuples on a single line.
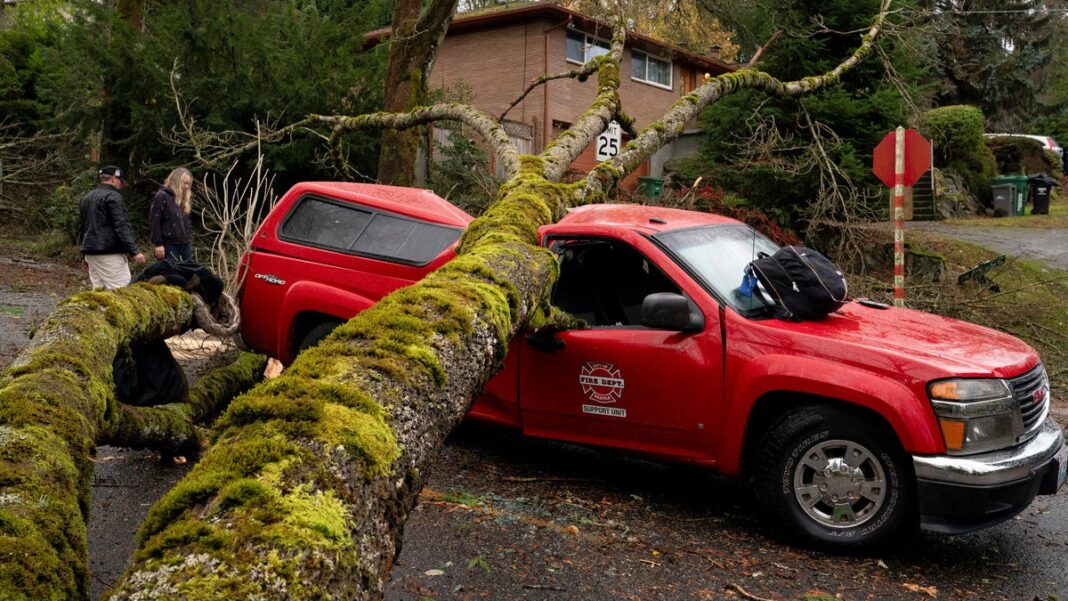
[(608, 142)]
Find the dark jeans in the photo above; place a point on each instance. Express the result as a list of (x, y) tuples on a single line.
[(178, 252)]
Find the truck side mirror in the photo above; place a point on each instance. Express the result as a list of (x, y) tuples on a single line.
[(670, 311)]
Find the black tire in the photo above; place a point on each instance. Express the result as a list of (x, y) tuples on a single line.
[(316, 334), (860, 496)]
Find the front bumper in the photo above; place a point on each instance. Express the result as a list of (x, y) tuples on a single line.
[(960, 494)]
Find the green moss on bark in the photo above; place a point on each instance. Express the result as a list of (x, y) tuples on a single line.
[(54, 400)]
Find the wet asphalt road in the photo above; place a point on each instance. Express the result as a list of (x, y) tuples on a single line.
[(1046, 245), (506, 517), (125, 484), (512, 518)]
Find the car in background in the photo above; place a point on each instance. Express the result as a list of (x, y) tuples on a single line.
[(1046, 141)]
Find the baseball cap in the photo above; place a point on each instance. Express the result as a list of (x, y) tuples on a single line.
[(113, 171)]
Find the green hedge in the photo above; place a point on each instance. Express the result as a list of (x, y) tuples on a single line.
[(956, 133)]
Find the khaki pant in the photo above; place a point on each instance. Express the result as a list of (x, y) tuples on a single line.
[(108, 271)]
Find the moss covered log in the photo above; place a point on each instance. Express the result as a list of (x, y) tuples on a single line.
[(170, 428), (305, 490), (55, 399)]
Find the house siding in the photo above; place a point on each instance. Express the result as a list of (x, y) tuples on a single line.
[(497, 63)]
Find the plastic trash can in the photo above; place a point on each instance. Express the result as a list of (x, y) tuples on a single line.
[(1004, 199), (650, 187), (1020, 199)]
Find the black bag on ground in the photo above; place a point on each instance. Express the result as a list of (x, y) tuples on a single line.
[(146, 374), (803, 283)]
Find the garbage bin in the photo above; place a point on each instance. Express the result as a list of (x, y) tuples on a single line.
[(650, 187), (1019, 182), (1004, 199), (1040, 187)]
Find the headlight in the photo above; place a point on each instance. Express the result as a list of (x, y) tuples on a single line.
[(975, 415)]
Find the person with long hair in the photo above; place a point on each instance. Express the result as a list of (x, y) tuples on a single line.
[(168, 217)]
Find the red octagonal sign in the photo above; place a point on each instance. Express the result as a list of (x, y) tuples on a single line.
[(917, 158)]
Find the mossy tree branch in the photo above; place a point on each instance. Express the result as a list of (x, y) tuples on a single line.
[(486, 126), (580, 74), (655, 136), (57, 402), (170, 428), (569, 145)]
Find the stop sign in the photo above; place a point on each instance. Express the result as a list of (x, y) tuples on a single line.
[(917, 158)]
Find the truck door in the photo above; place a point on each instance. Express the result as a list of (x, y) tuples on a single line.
[(617, 383)]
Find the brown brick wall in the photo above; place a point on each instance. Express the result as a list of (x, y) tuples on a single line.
[(498, 63)]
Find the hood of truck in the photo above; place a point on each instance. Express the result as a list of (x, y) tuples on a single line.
[(913, 341)]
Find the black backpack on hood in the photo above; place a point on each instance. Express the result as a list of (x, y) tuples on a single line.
[(804, 284)]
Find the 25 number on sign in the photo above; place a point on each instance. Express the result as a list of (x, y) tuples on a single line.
[(608, 142)]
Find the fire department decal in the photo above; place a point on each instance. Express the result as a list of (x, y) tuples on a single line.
[(602, 383)]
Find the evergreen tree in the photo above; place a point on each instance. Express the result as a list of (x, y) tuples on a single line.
[(110, 72), (860, 111), (994, 54)]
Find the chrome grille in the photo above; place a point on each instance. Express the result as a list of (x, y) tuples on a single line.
[(1031, 391)]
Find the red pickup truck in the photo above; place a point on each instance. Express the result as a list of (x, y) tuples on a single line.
[(851, 428)]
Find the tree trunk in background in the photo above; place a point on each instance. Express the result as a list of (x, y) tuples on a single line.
[(416, 35)]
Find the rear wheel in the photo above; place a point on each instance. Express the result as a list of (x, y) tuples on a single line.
[(833, 478), (317, 333)]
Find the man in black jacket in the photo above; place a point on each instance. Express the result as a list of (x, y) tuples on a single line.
[(107, 237)]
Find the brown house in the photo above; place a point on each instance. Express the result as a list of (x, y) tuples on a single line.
[(495, 55)]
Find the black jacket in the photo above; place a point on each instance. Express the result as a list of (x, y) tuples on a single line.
[(166, 221), (105, 228)]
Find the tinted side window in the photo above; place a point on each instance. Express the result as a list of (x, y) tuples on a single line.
[(337, 226), (404, 239), (322, 223)]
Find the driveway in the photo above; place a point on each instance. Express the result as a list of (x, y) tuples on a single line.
[(1046, 245)]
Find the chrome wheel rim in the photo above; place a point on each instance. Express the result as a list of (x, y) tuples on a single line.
[(839, 483)]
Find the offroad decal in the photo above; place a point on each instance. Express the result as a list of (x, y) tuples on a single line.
[(271, 279), (601, 382)]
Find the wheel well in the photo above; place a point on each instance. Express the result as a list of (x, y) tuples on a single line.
[(303, 323), (773, 405)]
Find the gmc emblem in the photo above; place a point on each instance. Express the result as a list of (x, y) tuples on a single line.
[(1039, 395)]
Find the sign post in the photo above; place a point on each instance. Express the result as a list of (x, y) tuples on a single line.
[(898, 161)]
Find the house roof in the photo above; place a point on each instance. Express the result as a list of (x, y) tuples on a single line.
[(509, 14)]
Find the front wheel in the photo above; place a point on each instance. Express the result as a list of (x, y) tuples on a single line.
[(833, 478)]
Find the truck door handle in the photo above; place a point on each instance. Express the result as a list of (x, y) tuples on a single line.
[(544, 341)]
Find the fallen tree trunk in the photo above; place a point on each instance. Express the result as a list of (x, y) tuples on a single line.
[(55, 399), (57, 402), (306, 489), (170, 428)]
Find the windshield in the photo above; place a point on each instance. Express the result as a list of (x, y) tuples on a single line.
[(717, 255)]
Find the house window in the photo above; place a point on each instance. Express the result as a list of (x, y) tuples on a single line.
[(649, 69), (581, 47)]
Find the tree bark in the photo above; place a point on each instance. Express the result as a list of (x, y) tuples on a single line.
[(416, 35), (55, 399)]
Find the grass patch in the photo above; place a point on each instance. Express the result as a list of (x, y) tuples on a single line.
[(1057, 218), (1030, 304)]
